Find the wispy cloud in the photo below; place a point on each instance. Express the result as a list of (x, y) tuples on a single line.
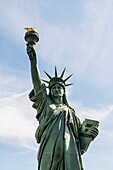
[(15, 16), (17, 123), (100, 113), (98, 30), (88, 50), (19, 153)]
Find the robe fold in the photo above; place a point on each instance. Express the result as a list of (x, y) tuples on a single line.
[(57, 133)]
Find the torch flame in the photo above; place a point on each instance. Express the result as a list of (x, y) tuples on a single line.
[(30, 29)]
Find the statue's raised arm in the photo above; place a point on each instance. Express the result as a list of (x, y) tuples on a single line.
[(34, 68), (32, 37)]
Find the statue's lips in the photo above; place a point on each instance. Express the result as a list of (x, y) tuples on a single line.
[(57, 93)]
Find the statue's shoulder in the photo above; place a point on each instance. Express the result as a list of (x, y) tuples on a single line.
[(72, 110)]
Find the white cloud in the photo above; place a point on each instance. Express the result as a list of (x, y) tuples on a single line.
[(15, 16), (100, 113), (98, 30), (17, 123), (87, 52), (13, 81), (84, 51)]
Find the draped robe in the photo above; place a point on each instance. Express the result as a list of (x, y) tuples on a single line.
[(57, 133)]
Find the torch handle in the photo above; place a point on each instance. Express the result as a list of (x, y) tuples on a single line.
[(31, 51)]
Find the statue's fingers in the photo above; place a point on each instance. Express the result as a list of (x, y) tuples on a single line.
[(28, 50), (95, 129), (29, 47), (93, 132)]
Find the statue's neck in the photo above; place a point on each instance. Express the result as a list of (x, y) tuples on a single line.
[(58, 100)]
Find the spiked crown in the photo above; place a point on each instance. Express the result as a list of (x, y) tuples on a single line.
[(57, 80)]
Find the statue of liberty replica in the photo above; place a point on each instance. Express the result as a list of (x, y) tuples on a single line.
[(62, 138)]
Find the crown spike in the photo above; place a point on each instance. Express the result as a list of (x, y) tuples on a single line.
[(63, 73), (45, 81), (48, 75), (67, 78), (55, 71), (69, 84)]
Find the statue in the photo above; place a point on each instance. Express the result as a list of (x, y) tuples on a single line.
[(63, 139)]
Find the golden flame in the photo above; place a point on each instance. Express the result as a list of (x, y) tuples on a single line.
[(30, 29)]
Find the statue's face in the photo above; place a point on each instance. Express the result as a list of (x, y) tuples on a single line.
[(57, 91)]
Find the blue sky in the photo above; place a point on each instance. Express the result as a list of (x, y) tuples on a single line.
[(76, 34)]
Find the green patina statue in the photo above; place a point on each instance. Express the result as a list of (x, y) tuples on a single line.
[(63, 139)]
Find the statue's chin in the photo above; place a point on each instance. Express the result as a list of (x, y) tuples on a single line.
[(57, 95)]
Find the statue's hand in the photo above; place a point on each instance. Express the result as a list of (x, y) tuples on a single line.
[(93, 132), (31, 52)]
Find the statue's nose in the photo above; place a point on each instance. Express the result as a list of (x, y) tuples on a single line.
[(56, 89)]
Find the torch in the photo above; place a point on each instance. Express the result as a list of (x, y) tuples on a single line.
[(31, 37)]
